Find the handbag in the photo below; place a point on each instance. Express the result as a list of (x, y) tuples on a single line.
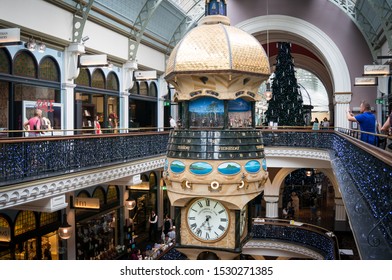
[(35, 125)]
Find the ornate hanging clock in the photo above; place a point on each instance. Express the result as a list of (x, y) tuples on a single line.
[(207, 219)]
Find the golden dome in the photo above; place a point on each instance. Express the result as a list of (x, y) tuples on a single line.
[(218, 48)]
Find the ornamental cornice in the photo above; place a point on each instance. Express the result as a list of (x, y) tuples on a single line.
[(297, 153), (34, 190)]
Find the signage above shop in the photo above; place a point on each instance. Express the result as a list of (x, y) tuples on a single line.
[(376, 70), (145, 75), (85, 203), (10, 36), (136, 179), (94, 60), (366, 81)]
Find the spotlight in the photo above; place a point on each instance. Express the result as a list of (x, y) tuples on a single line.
[(41, 47), (85, 38), (31, 45)]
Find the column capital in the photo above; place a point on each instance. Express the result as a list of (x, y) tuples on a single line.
[(68, 86), (342, 97), (271, 198)]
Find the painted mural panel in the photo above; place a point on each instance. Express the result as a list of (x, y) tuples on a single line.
[(206, 112), (240, 113), (200, 168), (177, 166), (252, 166), (229, 168)]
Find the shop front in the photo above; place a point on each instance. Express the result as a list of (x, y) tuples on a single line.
[(98, 220), (28, 235), (143, 105), (96, 101), (28, 82)]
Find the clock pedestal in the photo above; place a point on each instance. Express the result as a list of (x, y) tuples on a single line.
[(217, 154)]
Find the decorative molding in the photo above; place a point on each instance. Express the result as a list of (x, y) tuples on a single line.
[(45, 188), (342, 98), (322, 42), (297, 153), (252, 245)]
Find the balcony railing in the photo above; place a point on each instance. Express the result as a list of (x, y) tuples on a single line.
[(313, 237), (23, 159), (363, 171)]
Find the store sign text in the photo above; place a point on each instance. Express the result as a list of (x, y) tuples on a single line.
[(9, 35), (86, 203), (45, 105)]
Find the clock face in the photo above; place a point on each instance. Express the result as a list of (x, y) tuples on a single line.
[(243, 218), (207, 219)]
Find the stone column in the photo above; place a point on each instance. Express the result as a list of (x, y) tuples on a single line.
[(340, 211), (128, 68), (68, 100), (342, 103), (271, 206), (162, 92), (124, 111), (71, 60), (159, 200)]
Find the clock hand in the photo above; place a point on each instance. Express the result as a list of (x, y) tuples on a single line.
[(208, 222)]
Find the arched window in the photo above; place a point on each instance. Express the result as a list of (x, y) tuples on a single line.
[(153, 90), (98, 79), (83, 194), (5, 65), (99, 193), (144, 178), (25, 221), (84, 78), (143, 88), (153, 179), (112, 81), (48, 218), (135, 89), (25, 65), (112, 195), (5, 225), (48, 70)]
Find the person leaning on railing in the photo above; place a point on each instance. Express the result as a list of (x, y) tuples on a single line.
[(386, 128), (367, 122)]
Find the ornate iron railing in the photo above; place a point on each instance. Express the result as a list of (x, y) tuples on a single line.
[(315, 238), (364, 172), (23, 159)]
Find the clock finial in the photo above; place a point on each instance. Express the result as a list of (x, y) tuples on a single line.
[(216, 7)]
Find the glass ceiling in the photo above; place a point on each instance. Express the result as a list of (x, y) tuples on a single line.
[(194, 9), (312, 90)]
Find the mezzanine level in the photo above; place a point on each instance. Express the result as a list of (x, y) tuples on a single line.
[(34, 168)]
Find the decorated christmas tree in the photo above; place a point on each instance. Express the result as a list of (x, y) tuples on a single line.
[(286, 105)]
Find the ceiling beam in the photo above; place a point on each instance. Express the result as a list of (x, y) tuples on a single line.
[(140, 26)]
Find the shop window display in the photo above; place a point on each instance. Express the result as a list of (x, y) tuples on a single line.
[(96, 239)]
